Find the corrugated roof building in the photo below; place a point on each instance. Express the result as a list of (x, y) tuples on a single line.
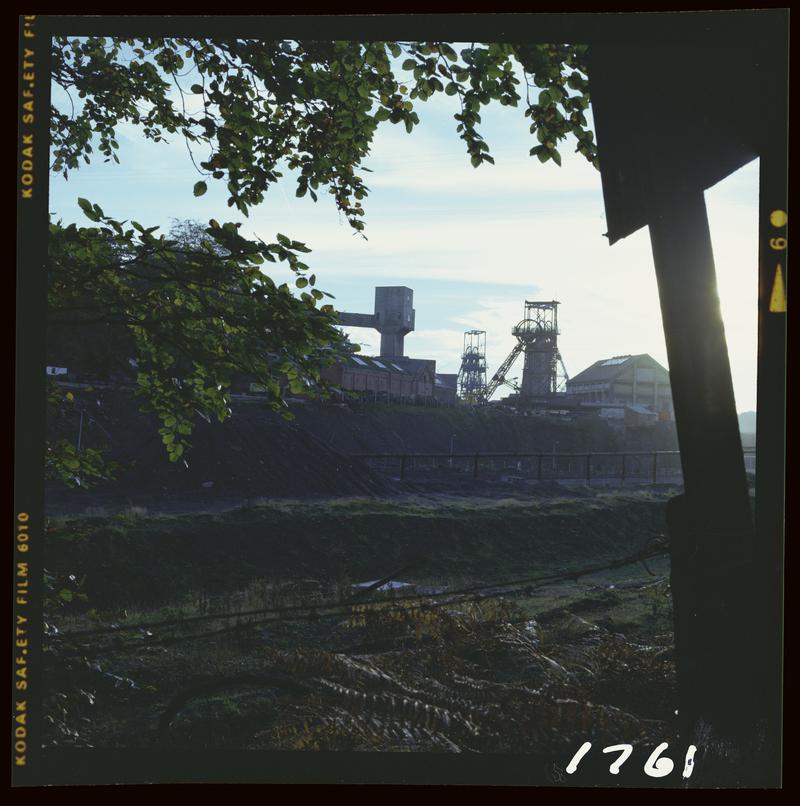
[(625, 379), (382, 378)]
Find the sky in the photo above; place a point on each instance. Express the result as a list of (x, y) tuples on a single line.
[(472, 243)]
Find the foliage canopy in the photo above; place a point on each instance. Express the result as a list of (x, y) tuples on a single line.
[(190, 315), (187, 316)]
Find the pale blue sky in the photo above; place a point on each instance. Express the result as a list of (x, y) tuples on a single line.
[(472, 243)]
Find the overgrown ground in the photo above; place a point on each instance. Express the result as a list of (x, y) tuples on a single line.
[(243, 629)]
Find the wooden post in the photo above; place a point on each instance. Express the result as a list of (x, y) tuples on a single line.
[(702, 389), (539, 469), (403, 466), (588, 468), (475, 467), (655, 467), (710, 526), (622, 481), (80, 433)]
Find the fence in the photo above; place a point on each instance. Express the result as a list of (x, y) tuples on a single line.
[(641, 466)]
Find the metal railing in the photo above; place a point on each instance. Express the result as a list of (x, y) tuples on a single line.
[(642, 466)]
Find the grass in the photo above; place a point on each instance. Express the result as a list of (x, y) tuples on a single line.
[(142, 568), (141, 562)]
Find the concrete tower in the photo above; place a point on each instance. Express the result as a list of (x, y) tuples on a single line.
[(393, 318)]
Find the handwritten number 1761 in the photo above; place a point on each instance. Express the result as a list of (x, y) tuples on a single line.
[(655, 767)]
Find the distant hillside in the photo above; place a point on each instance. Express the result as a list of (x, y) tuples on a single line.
[(747, 422)]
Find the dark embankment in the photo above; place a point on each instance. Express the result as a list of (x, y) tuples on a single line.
[(397, 429), (257, 454), (149, 561)]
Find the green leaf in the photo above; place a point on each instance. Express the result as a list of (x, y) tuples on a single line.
[(448, 52), (88, 209), (200, 188)]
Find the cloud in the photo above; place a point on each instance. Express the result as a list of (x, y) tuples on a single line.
[(430, 165)]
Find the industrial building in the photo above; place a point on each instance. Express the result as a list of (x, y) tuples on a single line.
[(401, 379), (391, 376), (636, 380), (445, 388)]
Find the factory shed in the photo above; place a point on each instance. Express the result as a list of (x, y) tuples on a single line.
[(445, 388), (384, 378), (633, 380)]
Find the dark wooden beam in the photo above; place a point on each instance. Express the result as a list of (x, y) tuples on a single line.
[(711, 531), (700, 374)]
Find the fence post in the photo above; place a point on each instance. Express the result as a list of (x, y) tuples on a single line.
[(588, 468), (655, 467), (622, 480), (475, 467), (403, 466), (80, 433), (539, 471)]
